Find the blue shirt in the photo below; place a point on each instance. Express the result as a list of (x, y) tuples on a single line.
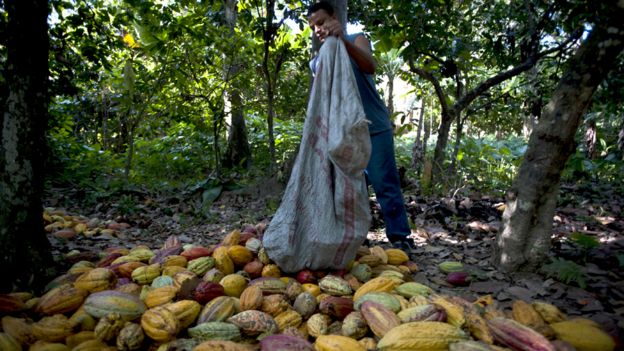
[(374, 107)]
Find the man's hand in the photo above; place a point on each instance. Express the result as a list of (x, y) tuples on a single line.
[(332, 27)]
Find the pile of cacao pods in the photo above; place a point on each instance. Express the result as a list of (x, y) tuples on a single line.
[(231, 296)]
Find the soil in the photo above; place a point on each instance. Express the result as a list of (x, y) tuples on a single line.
[(587, 230)]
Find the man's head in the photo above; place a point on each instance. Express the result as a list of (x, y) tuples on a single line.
[(318, 13)]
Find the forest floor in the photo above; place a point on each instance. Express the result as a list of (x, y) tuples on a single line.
[(588, 230)]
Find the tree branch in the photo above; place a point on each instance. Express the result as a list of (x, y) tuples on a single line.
[(436, 84), (465, 100)]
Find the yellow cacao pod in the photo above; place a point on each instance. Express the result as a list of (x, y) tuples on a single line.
[(130, 337), (251, 298), (524, 313), (271, 270), (275, 304), (380, 284), (454, 312), (53, 328), (145, 275), (160, 296), (160, 324), (380, 252), (7, 342), (78, 338), (232, 238), (337, 343), (370, 260), (288, 319), (223, 345), (93, 345), (233, 284), (550, 313), (201, 265), (583, 336), (430, 336), (142, 252), (174, 261), (62, 299), (379, 318), (223, 262), (171, 271), (318, 324), (186, 311), (82, 320), (108, 327), (19, 329), (396, 256), (81, 267), (313, 289), (48, 346), (239, 255)]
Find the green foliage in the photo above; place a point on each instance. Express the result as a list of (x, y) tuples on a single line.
[(488, 164), (484, 164), (566, 271), (76, 163), (608, 169), (585, 242), (126, 205), (151, 77), (180, 156)]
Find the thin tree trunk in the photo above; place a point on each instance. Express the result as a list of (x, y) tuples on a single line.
[(129, 155), (439, 152), (238, 152), (418, 150), (104, 107), (270, 30), (590, 140), (25, 257), (391, 97), (524, 240), (620, 141), (458, 136)]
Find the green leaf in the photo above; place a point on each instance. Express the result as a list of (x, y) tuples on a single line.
[(566, 272), (210, 195)]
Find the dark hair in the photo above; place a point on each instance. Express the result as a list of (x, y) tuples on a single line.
[(321, 5)]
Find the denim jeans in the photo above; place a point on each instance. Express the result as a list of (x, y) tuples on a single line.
[(383, 175)]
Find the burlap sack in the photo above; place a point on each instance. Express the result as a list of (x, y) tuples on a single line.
[(324, 215)]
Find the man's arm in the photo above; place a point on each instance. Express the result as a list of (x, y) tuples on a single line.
[(359, 50), (361, 53)]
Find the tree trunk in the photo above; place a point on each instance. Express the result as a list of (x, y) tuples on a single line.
[(620, 141), (270, 31), (418, 150), (391, 97), (524, 241), (590, 140), (105, 110), (25, 258), (439, 152), (238, 152), (458, 136)]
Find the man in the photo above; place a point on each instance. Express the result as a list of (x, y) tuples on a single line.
[(381, 170)]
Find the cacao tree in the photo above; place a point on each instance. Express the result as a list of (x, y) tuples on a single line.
[(25, 255), (238, 152), (524, 240), (465, 50)]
